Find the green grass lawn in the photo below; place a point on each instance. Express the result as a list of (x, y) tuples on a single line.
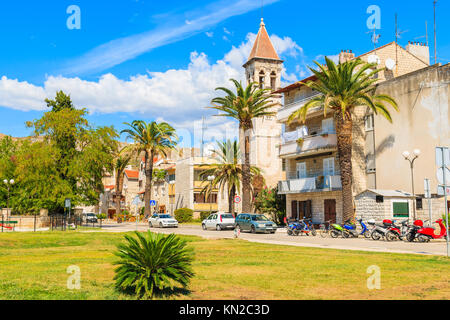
[(33, 266)]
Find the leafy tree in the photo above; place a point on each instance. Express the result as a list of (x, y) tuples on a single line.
[(268, 201), (152, 263), (68, 160), (244, 105), (8, 163), (154, 140), (120, 163), (159, 175), (343, 88)]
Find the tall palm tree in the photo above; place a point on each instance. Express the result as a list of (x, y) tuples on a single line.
[(344, 87), (227, 172), (153, 139), (120, 164), (245, 105)]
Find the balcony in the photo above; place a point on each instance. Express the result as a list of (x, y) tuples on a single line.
[(204, 207), (313, 184), (288, 109), (311, 144)]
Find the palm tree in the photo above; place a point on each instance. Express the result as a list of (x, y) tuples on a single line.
[(344, 87), (152, 263), (153, 139), (245, 105), (227, 172), (121, 162)]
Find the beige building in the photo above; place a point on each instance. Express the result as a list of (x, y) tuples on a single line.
[(309, 151)]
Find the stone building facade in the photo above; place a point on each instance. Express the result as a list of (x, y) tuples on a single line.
[(421, 92)]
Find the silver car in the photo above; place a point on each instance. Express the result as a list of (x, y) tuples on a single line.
[(162, 221), (219, 221)]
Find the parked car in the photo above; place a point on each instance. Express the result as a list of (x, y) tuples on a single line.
[(89, 217), (255, 223), (219, 221), (162, 221)]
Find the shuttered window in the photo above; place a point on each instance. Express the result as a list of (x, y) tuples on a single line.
[(401, 209)]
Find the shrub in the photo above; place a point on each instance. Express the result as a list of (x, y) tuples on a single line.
[(152, 263), (184, 215), (101, 216), (204, 215)]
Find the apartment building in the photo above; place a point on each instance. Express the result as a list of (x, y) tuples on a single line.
[(309, 150), (190, 183)]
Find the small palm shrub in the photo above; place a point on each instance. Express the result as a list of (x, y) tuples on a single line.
[(152, 263), (184, 215)]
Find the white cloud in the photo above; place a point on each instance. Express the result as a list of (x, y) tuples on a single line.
[(120, 50), (177, 95)]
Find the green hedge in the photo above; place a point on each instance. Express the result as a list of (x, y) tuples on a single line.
[(184, 215), (204, 215)]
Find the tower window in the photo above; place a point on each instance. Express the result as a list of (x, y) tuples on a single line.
[(273, 81), (261, 79)]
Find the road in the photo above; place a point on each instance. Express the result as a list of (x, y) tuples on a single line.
[(281, 238)]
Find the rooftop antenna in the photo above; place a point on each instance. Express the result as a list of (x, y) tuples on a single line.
[(426, 33), (435, 47), (375, 38), (398, 35)]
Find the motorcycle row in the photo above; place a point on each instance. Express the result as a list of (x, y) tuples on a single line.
[(388, 230)]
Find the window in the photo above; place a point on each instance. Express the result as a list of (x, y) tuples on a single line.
[(400, 209), (283, 165), (328, 167), (369, 122), (262, 79), (379, 199), (200, 198), (301, 170), (273, 81), (419, 203), (328, 126)]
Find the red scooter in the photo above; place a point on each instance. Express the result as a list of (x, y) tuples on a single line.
[(427, 234)]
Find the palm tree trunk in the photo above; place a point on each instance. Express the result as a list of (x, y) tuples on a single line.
[(119, 187), (246, 177), (148, 182), (344, 146), (231, 204)]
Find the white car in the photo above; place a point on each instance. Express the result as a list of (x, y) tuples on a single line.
[(219, 221), (162, 221)]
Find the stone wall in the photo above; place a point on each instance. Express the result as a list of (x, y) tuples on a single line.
[(318, 203)]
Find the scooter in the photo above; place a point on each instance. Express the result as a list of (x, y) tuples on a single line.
[(380, 230), (337, 230), (398, 233), (365, 231), (350, 228), (412, 231), (309, 227), (427, 234), (296, 228)]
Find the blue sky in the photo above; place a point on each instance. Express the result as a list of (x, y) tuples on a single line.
[(160, 60)]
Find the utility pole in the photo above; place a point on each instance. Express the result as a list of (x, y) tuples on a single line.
[(435, 46)]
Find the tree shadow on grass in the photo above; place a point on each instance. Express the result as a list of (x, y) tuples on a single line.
[(166, 293)]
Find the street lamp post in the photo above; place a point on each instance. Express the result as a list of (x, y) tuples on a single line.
[(8, 186), (171, 200), (210, 179), (412, 158)]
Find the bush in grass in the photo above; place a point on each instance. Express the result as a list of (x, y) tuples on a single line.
[(184, 215), (152, 263)]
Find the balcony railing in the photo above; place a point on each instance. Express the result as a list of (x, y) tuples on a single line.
[(310, 143), (313, 184), (288, 109)]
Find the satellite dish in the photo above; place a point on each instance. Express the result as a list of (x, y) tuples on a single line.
[(390, 64), (373, 58)]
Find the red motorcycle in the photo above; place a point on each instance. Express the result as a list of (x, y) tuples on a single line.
[(427, 234)]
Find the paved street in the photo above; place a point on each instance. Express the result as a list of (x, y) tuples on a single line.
[(281, 238)]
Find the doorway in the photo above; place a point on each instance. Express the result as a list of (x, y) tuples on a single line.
[(301, 209), (330, 210)]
